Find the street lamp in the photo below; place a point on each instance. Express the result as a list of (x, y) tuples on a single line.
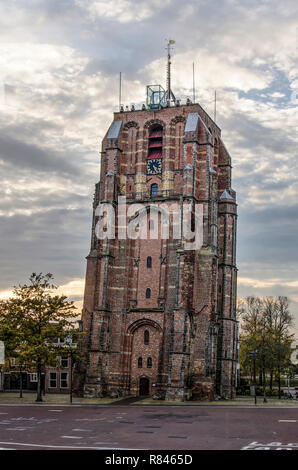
[(68, 340), (253, 355)]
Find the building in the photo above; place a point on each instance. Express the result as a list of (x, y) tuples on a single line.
[(53, 380), (160, 318)]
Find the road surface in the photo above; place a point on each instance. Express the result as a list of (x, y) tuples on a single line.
[(147, 427)]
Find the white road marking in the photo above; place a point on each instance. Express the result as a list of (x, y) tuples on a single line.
[(89, 419), (72, 437), (18, 429), (81, 430), (57, 411), (287, 420), (270, 445), (67, 447), (107, 443), (3, 413)]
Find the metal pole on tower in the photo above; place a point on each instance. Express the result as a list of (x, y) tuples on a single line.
[(120, 91), (193, 82), (215, 106)]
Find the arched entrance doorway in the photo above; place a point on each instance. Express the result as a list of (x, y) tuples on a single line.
[(144, 386)]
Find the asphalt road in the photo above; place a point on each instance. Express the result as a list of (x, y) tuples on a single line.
[(147, 427)]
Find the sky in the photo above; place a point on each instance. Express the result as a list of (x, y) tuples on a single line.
[(59, 79)]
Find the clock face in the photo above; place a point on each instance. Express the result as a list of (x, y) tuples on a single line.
[(154, 166)]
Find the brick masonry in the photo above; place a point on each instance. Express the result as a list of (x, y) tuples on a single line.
[(190, 315)]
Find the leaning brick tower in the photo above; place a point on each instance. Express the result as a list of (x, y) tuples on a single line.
[(159, 318)]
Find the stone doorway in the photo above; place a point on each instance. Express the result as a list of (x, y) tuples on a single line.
[(144, 386)]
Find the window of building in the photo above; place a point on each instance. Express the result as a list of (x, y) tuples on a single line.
[(149, 363), (151, 224), (148, 293), (146, 337), (154, 189), (140, 363), (33, 377), (155, 142), (149, 262), (53, 380), (64, 380), (64, 362)]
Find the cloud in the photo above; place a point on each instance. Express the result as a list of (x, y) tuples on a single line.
[(60, 64), (123, 11)]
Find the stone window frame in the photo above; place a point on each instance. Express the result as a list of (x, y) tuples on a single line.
[(53, 380), (146, 337), (64, 380)]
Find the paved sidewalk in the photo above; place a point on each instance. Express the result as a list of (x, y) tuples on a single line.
[(12, 398), (51, 398)]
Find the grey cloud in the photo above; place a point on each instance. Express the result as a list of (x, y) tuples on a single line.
[(55, 241), (20, 153), (253, 135)]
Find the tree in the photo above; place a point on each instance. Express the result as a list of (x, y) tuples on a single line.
[(266, 324), (31, 322)]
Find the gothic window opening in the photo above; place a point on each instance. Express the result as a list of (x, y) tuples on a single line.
[(155, 142), (151, 224), (148, 293), (149, 262), (154, 189), (149, 363), (140, 363), (146, 337), (154, 159)]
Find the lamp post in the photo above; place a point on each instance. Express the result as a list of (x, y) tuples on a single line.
[(71, 366), (253, 355), (70, 383)]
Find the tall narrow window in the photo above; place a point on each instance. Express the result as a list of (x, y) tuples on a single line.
[(146, 337), (155, 142), (140, 363), (148, 293), (154, 159), (151, 224), (64, 380), (154, 189), (149, 363), (53, 380), (149, 262)]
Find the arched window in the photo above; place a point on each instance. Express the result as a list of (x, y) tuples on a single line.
[(149, 262), (140, 363), (146, 337), (151, 224), (149, 363), (154, 189), (155, 142), (148, 293)]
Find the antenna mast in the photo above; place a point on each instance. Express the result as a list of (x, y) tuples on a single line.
[(169, 93), (120, 91), (215, 106), (193, 82)]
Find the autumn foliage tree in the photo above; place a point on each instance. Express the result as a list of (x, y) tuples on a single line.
[(32, 320)]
